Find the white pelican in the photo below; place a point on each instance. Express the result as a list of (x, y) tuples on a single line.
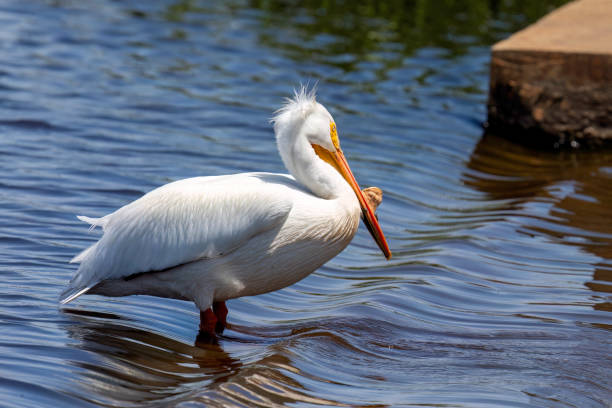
[(210, 239)]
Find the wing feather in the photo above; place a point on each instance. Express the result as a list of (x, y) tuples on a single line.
[(178, 223)]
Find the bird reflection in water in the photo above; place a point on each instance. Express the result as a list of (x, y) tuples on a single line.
[(143, 368)]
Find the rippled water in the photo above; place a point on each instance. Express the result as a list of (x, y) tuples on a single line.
[(499, 290)]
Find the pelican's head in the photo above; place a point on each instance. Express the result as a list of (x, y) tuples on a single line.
[(302, 126)]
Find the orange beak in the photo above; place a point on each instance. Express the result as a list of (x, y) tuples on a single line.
[(369, 219), (338, 161)]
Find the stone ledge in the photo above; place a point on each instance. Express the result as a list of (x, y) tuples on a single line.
[(551, 83)]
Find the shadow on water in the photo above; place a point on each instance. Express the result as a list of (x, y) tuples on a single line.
[(567, 191)]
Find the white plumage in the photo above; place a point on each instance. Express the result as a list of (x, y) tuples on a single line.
[(209, 239)]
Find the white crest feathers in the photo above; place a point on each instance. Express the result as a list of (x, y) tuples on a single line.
[(302, 103)]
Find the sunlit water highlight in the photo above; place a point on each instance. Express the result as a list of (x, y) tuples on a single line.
[(499, 290)]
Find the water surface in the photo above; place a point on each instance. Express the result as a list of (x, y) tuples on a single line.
[(498, 293)]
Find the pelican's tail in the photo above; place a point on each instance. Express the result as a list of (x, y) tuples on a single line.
[(71, 293), (81, 282), (79, 285)]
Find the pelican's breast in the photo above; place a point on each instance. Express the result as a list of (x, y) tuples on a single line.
[(315, 231)]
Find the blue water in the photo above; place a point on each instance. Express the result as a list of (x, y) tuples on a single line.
[(499, 291)]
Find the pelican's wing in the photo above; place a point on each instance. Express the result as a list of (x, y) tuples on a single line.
[(178, 223)]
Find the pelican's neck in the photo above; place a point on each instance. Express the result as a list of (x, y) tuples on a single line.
[(307, 168)]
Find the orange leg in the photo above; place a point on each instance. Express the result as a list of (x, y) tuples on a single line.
[(208, 321), (213, 319)]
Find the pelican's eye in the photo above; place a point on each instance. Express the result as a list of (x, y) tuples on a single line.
[(334, 135)]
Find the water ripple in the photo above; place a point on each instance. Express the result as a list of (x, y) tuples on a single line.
[(499, 291)]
